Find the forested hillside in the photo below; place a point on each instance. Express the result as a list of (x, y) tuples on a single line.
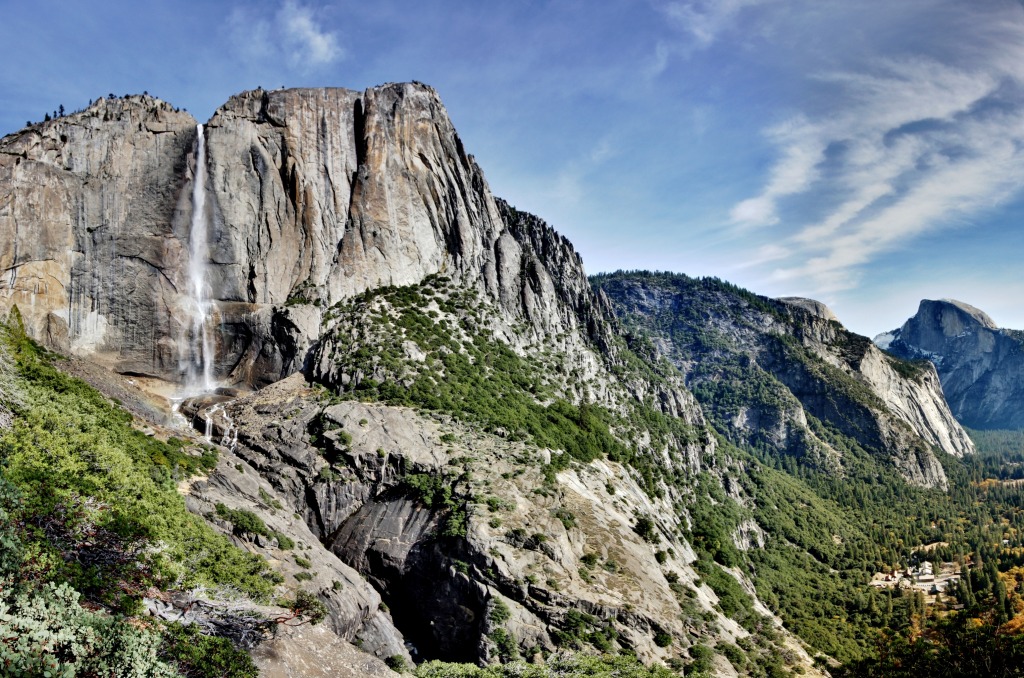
[(851, 511)]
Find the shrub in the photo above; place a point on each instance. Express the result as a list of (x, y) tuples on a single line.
[(306, 607), (47, 632), (71, 450), (645, 528), (284, 542), (499, 613), (198, 656), (242, 520), (396, 663)]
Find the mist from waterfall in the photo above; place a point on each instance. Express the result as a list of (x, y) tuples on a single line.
[(200, 341)]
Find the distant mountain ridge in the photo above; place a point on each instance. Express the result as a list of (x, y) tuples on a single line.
[(762, 367), (981, 366)]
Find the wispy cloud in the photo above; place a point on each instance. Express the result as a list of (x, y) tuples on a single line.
[(291, 35), (906, 146), (307, 42), (705, 20), (569, 184)]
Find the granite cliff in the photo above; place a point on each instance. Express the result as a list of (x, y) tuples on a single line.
[(318, 201), (93, 231), (313, 196), (980, 365)]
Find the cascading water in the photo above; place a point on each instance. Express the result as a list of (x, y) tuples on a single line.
[(200, 344), (205, 403)]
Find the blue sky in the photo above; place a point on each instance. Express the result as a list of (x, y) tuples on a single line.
[(867, 154)]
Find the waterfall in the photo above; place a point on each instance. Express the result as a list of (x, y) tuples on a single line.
[(200, 342)]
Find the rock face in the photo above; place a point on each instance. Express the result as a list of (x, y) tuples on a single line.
[(980, 365), (480, 554), (94, 237), (763, 366), (314, 196)]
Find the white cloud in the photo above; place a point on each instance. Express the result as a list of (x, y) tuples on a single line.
[(803, 149), (307, 42), (897, 149), (759, 211), (291, 36)]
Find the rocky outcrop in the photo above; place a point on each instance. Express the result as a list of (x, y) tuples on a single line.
[(762, 366), (323, 194), (465, 540), (315, 652), (981, 366), (355, 611)]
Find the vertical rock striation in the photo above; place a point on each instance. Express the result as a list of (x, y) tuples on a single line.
[(315, 196), (93, 230)]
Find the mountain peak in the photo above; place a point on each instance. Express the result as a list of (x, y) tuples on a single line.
[(980, 366), (976, 314)]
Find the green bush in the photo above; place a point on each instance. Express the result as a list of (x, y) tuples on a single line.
[(396, 663), (284, 542), (46, 632), (195, 655), (645, 527), (307, 606), (499, 613), (243, 520)]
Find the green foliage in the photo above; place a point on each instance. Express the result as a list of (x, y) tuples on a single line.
[(566, 517), (243, 520), (829, 497), (956, 645), (467, 372), (436, 492), (499, 612), (700, 664), (713, 520), (269, 501), (195, 655), (909, 369), (433, 490), (647, 530), (396, 663), (734, 602), (456, 523), (80, 467), (46, 632), (505, 643), (559, 665), (307, 606)]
